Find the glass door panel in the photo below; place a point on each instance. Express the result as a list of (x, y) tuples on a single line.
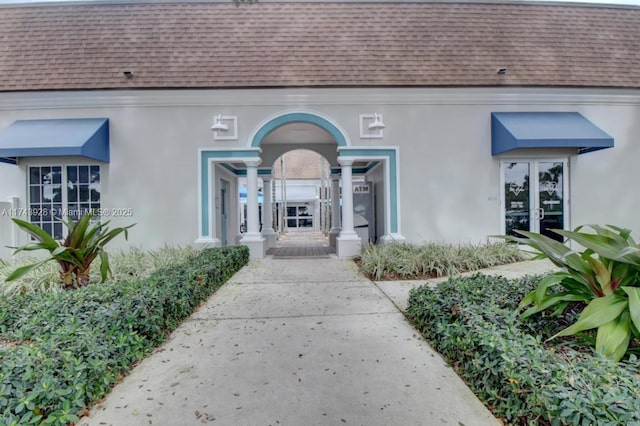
[(517, 197), (299, 216), (223, 212), (550, 211), (535, 196)]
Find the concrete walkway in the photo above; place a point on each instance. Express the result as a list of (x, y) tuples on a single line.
[(301, 243), (294, 342)]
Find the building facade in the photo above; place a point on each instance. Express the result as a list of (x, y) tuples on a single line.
[(465, 124)]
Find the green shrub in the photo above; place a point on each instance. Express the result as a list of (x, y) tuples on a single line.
[(406, 261), (473, 322), (59, 353)]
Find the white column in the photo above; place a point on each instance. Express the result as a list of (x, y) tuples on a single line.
[(252, 238), (335, 210), (267, 213), (347, 199), (253, 221), (348, 243)]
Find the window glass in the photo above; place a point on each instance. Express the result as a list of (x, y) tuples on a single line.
[(50, 201), (45, 189), (516, 194), (550, 182)]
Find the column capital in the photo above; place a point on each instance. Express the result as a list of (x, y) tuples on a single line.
[(335, 177), (344, 163), (266, 178), (252, 162)]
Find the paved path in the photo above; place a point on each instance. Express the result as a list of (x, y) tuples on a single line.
[(294, 342), (301, 243)]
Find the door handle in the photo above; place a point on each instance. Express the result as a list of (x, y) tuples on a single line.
[(540, 213)]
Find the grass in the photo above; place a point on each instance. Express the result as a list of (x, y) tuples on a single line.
[(407, 261), (132, 263)]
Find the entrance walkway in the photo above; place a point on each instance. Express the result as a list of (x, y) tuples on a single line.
[(294, 342), (301, 243)]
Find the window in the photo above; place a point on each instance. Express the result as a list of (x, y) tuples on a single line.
[(50, 200)]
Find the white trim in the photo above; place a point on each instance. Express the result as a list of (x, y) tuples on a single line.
[(281, 113), (293, 97), (370, 147), (15, 203), (216, 242), (398, 235), (232, 133), (387, 180), (211, 164), (365, 133), (257, 150)]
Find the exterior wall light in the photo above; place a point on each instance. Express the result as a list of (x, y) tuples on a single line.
[(371, 126), (377, 123), (225, 127), (218, 125)]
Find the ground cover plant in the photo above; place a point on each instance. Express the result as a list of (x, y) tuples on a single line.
[(524, 379), (62, 351), (407, 261)]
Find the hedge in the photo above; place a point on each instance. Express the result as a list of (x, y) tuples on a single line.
[(473, 323), (60, 353)]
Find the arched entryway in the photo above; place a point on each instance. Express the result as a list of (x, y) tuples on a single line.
[(302, 200), (294, 130)]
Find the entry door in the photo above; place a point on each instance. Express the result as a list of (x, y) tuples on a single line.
[(299, 216), (535, 196), (224, 214)]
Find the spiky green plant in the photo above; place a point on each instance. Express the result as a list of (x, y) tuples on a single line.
[(84, 243), (605, 276), (125, 265)]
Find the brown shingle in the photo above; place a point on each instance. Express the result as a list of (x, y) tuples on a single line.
[(188, 45)]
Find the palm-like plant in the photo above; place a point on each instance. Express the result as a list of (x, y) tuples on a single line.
[(84, 243), (605, 276)]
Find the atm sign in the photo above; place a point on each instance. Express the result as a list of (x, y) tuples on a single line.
[(361, 189)]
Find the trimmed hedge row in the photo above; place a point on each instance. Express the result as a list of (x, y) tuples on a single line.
[(60, 353), (473, 323)]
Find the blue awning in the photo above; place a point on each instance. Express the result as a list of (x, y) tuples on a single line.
[(513, 130), (86, 137)]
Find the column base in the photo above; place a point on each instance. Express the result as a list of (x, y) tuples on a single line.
[(392, 238), (204, 242), (348, 245), (256, 244), (270, 238), (333, 234)]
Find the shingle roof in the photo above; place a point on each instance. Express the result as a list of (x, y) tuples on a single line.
[(294, 44)]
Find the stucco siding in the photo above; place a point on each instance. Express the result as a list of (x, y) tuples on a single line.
[(449, 182)]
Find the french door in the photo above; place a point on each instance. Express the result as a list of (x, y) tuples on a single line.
[(535, 196)]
